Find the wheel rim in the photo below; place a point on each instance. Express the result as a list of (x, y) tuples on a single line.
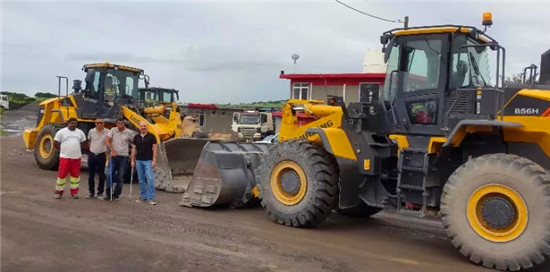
[(46, 146), (288, 183), (497, 213)]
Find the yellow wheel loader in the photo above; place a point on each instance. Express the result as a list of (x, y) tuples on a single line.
[(111, 91), (226, 172), (443, 137)]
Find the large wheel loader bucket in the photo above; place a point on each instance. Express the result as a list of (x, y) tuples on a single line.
[(225, 174), (176, 162)]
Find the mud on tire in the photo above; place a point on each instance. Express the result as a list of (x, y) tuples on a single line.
[(44, 139), (321, 194), (529, 181)]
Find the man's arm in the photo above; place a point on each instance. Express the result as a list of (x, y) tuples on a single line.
[(133, 156), (154, 163), (89, 137), (84, 143), (108, 143), (57, 139)]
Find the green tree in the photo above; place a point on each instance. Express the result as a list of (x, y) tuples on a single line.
[(515, 79), (45, 95)]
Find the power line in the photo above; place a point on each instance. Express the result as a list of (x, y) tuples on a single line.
[(373, 16)]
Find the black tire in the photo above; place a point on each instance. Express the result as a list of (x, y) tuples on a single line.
[(361, 211), (527, 180), (44, 141), (321, 179)]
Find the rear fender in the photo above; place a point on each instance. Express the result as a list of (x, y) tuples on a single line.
[(465, 127), (335, 141)]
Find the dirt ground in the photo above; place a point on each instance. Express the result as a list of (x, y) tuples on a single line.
[(40, 233)]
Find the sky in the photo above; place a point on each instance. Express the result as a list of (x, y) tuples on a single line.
[(234, 51)]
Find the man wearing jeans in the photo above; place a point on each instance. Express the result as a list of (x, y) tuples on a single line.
[(97, 158), (118, 141), (144, 156)]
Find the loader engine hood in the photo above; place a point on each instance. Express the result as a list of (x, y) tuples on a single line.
[(529, 102)]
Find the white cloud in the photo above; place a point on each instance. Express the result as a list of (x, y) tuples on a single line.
[(233, 51)]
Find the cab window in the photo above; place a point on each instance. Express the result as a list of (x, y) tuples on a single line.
[(423, 63)]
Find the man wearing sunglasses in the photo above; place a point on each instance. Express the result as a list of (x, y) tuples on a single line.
[(97, 158)]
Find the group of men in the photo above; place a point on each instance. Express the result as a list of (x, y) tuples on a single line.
[(102, 142)]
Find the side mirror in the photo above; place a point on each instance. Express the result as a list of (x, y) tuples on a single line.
[(90, 76), (384, 39), (146, 80), (77, 85)]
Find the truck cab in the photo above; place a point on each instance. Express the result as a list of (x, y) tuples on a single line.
[(252, 125), (4, 102)]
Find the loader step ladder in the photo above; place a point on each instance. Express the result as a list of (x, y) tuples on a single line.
[(413, 165)]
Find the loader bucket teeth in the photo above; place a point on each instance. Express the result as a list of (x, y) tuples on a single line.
[(225, 174), (177, 159)]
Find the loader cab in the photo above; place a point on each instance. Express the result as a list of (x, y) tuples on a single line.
[(109, 84), (154, 96), (427, 69)]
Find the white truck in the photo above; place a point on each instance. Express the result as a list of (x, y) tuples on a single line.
[(252, 125), (4, 102)]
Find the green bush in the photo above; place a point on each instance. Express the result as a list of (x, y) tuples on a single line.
[(44, 95)]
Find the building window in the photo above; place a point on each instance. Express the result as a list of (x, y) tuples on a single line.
[(300, 91), (365, 90), (201, 119)]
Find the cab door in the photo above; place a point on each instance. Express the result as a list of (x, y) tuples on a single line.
[(420, 83)]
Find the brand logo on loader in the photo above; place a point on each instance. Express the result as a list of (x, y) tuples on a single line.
[(327, 124), (526, 111), (135, 119)]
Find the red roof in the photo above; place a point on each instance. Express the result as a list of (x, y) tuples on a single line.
[(336, 79), (334, 76), (202, 106)]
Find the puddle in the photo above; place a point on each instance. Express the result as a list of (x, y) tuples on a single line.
[(13, 123)]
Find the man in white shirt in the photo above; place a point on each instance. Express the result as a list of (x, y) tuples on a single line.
[(69, 140), (118, 141)]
